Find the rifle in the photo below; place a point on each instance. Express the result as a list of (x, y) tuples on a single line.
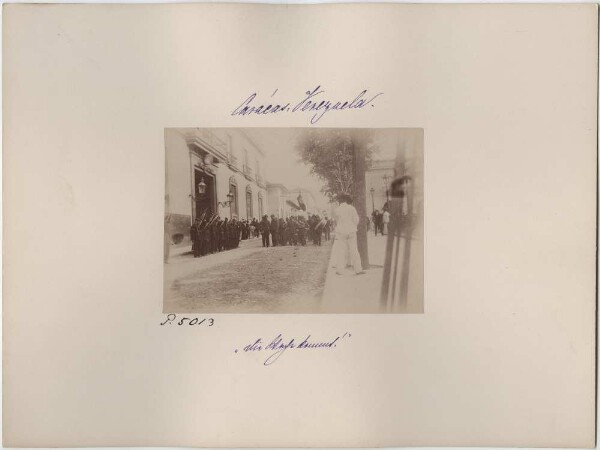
[(202, 216), (211, 220)]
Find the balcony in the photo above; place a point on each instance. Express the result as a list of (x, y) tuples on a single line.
[(213, 140), (206, 141)]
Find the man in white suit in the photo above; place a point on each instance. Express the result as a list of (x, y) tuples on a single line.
[(345, 235)]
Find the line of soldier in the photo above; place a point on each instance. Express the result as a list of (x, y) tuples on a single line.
[(212, 235), (294, 230)]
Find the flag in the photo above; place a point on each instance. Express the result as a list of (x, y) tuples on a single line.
[(301, 202), (293, 205)]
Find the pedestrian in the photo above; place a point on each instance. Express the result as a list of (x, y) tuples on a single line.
[(265, 230), (375, 219), (320, 228), (327, 229), (347, 226), (385, 220), (274, 227)]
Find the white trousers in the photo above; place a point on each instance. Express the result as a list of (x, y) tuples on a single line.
[(346, 246)]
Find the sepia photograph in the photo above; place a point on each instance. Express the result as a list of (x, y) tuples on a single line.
[(293, 220)]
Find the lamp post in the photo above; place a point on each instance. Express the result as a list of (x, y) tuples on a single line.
[(372, 191), (227, 203), (386, 180)]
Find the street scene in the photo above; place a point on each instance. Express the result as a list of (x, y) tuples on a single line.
[(293, 221)]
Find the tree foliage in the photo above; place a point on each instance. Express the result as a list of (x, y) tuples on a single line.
[(330, 155)]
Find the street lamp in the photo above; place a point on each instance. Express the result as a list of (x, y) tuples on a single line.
[(228, 202), (201, 187), (372, 191), (386, 180)]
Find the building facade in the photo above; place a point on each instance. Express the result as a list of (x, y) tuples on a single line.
[(211, 172), (281, 201)]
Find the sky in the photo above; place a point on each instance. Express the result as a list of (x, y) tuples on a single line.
[(283, 165)]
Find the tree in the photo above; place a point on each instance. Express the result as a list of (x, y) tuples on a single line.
[(330, 156)]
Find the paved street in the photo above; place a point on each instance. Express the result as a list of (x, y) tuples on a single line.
[(250, 279)]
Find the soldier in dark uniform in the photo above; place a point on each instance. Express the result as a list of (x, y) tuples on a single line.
[(205, 239), (274, 227), (230, 234), (288, 231), (220, 236), (302, 227), (209, 239), (281, 232), (216, 236), (200, 238), (294, 232), (235, 233)]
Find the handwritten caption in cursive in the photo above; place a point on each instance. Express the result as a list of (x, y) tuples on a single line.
[(313, 101), (190, 321), (279, 346)]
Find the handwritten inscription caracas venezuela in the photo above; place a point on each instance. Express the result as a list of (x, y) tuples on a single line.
[(278, 346), (313, 102)]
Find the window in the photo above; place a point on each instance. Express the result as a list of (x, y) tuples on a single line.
[(233, 207), (249, 214), (260, 205)]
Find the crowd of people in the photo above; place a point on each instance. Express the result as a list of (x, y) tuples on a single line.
[(213, 234), (294, 230)]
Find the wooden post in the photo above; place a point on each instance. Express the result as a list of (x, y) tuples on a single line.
[(360, 197)]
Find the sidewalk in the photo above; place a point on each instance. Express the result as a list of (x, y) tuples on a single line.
[(359, 294)]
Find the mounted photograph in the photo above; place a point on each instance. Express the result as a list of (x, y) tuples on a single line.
[(293, 220)]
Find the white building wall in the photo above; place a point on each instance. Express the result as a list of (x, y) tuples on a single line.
[(177, 174)]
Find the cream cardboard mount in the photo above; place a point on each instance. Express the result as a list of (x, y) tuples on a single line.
[(504, 351)]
